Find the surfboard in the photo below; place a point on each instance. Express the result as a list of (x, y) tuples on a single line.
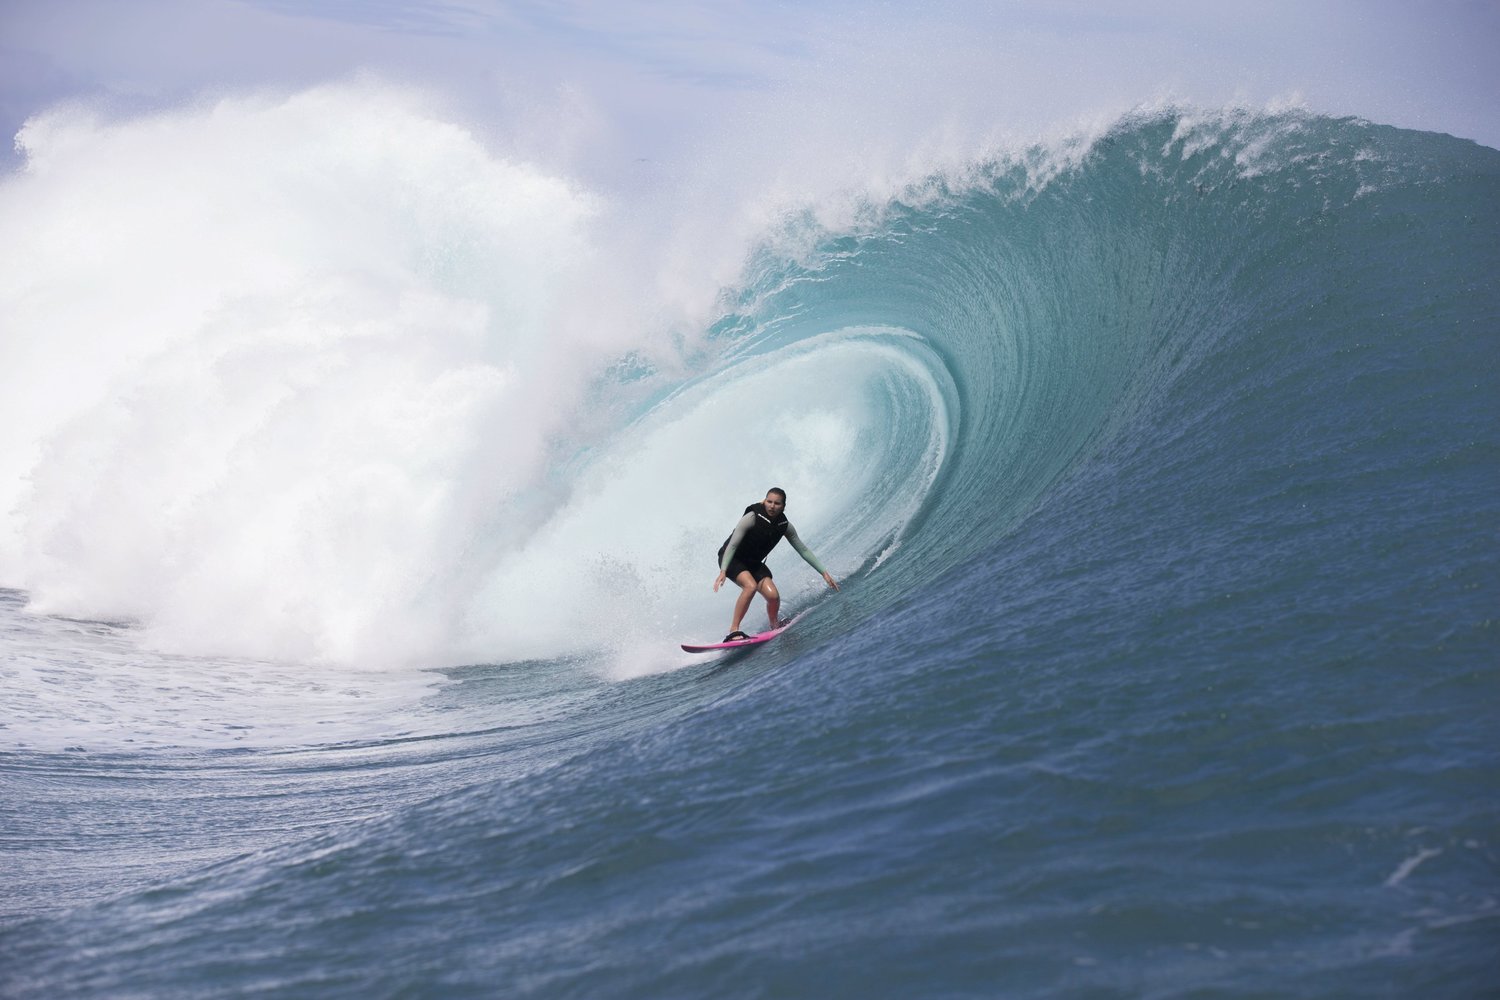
[(754, 640)]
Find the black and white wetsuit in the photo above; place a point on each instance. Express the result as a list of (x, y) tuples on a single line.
[(752, 540)]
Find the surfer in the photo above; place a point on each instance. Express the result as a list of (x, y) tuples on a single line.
[(743, 554)]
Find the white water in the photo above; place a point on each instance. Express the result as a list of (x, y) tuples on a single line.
[(271, 365)]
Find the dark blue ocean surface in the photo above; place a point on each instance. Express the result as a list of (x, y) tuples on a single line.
[(1180, 680)]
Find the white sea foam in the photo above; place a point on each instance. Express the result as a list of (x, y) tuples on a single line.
[(1404, 870), (272, 365)]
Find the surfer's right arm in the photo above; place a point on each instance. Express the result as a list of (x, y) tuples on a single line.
[(740, 530)]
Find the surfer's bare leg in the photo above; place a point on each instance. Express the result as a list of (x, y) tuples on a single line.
[(773, 600), (742, 603)]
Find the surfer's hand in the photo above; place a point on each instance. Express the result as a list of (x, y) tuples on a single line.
[(831, 581), (719, 581)]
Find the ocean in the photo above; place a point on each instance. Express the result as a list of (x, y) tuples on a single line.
[(350, 548)]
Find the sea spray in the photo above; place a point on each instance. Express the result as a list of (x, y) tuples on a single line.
[(275, 365)]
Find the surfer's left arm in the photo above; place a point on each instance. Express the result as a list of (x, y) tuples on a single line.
[(806, 554)]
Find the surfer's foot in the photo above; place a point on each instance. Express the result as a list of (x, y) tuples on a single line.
[(731, 637)]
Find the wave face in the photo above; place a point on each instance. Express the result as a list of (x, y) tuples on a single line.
[(1161, 473)]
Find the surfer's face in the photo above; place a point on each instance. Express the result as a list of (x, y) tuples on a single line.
[(774, 503)]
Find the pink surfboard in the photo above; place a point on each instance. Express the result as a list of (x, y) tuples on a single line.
[(754, 640)]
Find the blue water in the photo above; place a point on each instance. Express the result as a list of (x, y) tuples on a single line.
[(1166, 662)]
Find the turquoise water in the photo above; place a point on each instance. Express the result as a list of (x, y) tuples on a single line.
[(1162, 479)]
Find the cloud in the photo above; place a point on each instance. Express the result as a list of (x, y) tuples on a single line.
[(636, 80)]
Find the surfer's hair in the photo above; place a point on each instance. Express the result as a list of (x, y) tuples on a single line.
[(777, 489)]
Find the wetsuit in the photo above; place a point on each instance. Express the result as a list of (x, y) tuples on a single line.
[(752, 540)]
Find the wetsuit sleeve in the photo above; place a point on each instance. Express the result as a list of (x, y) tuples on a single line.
[(803, 550), (745, 524)]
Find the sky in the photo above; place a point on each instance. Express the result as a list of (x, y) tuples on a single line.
[(611, 91)]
